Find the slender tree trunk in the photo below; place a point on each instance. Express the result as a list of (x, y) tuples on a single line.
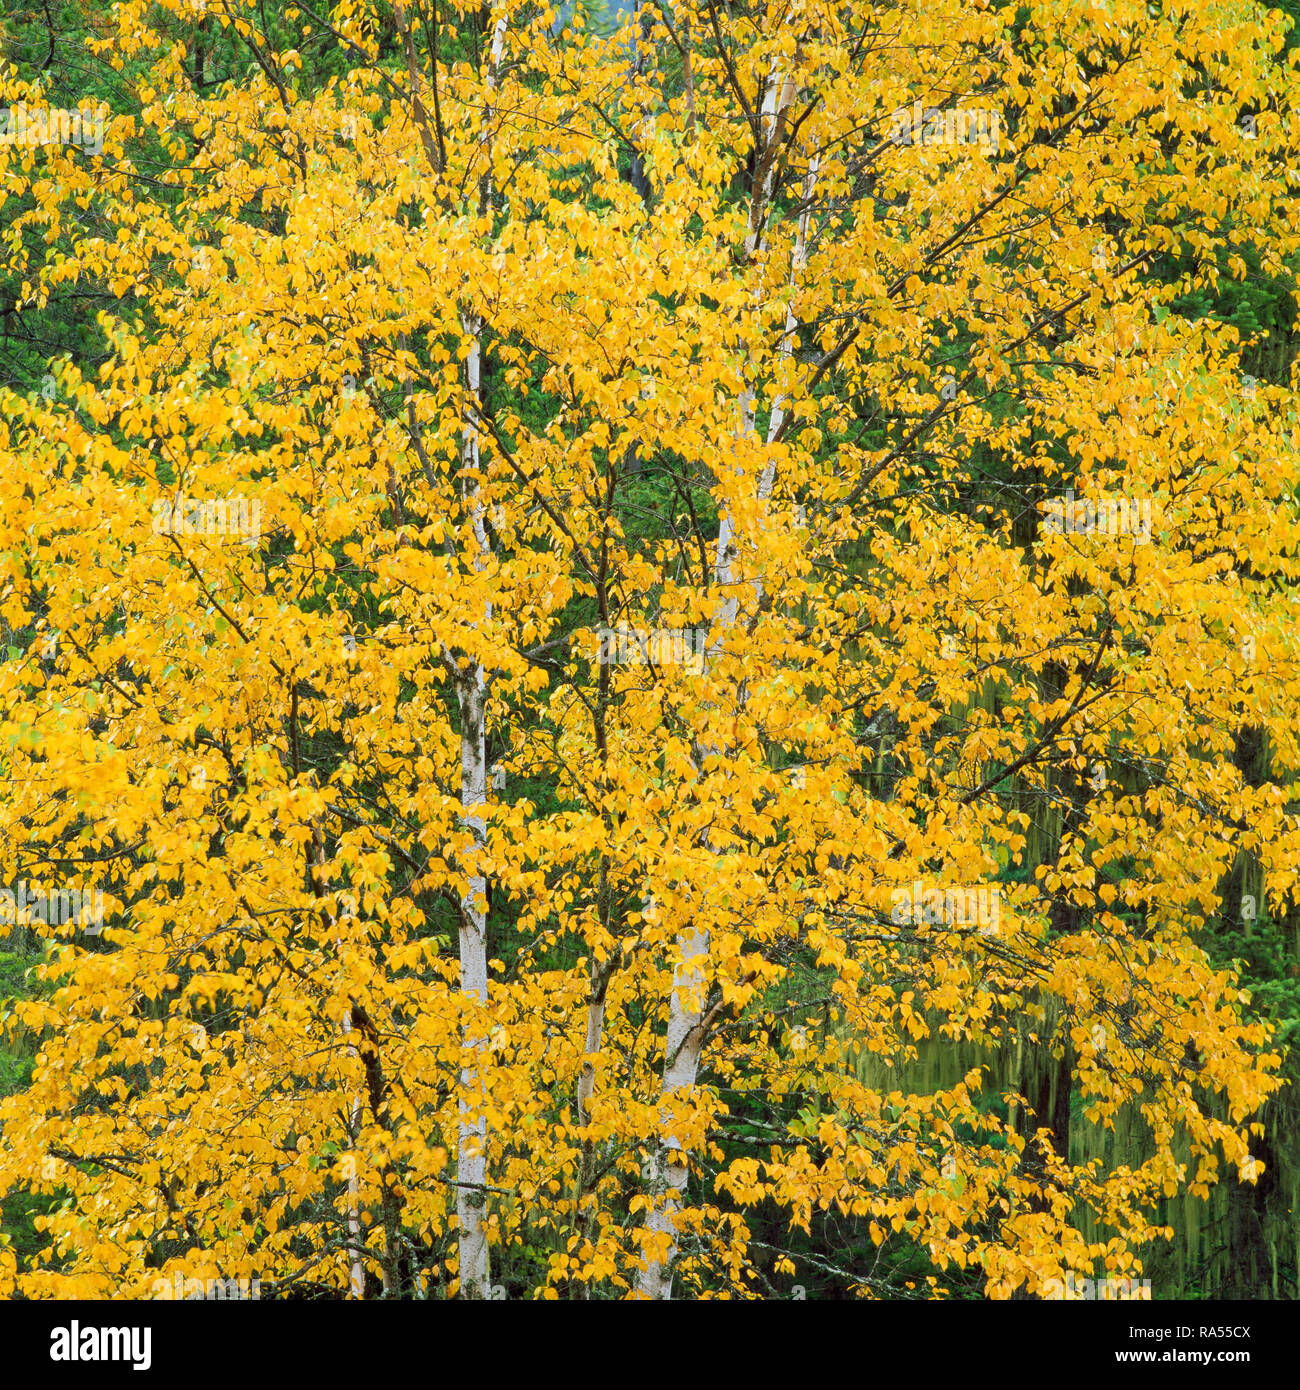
[(357, 1271), (686, 1032), (356, 1268), (472, 694), (471, 1167), (681, 1065)]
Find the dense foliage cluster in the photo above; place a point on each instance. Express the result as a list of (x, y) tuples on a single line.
[(669, 639)]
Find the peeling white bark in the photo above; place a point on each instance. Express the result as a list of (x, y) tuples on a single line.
[(471, 1165), (472, 696), (681, 1065), (591, 1047), (798, 262), (685, 1037), (357, 1272)]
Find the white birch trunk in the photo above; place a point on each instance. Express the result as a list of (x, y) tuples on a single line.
[(685, 1038), (591, 1046), (356, 1268), (798, 261), (681, 1065), (471, 1163), (472, 695), (357, 1272)]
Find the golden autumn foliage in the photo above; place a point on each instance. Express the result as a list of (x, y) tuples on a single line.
[(662, 525)]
